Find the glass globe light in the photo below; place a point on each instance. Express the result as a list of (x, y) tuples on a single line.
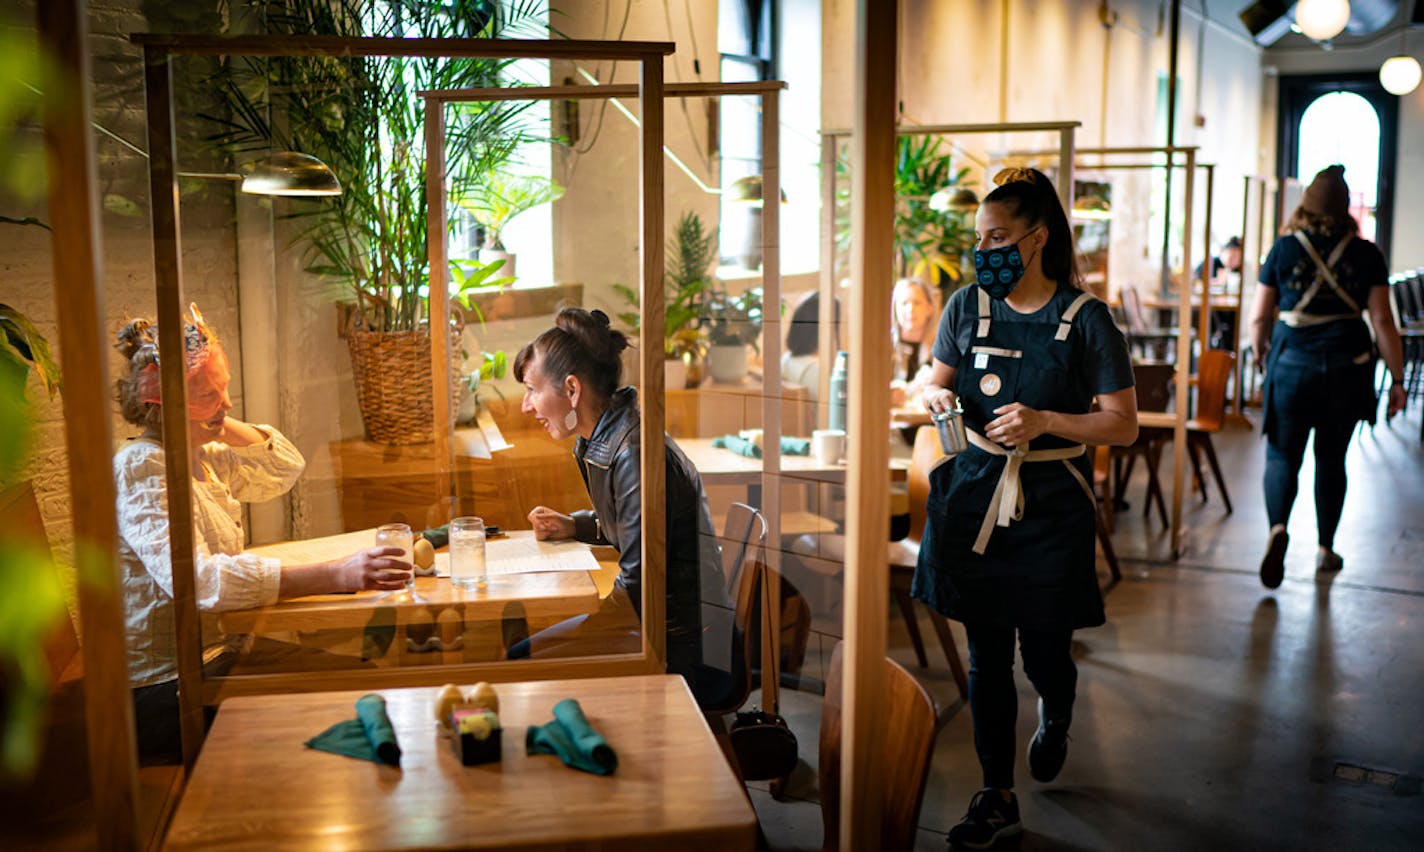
[(1322, 19), (1400, 75)]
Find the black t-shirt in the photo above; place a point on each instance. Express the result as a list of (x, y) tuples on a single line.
[(1290, 272), (1107, 368)]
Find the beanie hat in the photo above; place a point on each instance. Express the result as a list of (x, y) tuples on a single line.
[(1327, 195)]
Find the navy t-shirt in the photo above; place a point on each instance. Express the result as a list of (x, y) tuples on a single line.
[(1290, 271), (1107, 368)]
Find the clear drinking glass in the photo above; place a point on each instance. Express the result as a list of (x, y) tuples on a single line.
[(467, 553), (399, 535)]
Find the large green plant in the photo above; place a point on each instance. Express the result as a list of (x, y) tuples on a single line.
[(501, 197), (363, 117), (928, 243), (687, 277)]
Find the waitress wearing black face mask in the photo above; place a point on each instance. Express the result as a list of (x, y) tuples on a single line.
[(1009, 547)]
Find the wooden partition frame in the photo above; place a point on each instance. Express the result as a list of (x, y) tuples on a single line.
[(650, 336), (1251, 251), (1066, 131), (158, 50)]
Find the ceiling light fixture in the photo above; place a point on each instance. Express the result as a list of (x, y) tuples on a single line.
[(1400, 74), (1322, 20)]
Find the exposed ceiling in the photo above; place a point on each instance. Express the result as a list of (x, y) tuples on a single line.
[(1271, 19)]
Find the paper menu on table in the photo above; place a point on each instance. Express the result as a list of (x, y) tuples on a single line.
[(526, 554)]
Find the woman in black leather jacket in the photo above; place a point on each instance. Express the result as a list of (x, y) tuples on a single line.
[(571, 375)]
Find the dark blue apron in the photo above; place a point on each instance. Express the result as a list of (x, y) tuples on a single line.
[(1039, 571)]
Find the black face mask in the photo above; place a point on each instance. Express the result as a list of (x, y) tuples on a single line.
[(999, 269)]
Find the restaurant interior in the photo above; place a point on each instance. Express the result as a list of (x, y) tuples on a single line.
[(691, 614)]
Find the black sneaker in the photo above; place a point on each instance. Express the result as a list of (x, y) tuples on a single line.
[(1328, 561), (989, 818), (1048, 748), (1273, 565)]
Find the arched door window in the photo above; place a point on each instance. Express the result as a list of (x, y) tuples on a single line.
[(1321, 143)]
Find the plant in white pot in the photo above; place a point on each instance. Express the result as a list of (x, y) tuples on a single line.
[(497, 199), (733, 323)]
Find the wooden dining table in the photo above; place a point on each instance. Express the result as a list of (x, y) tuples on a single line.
[(255, 785), (545, 596), (721, 466)]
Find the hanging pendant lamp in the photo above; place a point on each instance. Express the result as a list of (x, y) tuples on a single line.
[(1322, 19), (290, 173), (1400, 74)]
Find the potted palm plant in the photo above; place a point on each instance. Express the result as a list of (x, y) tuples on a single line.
[(499, 198), (686, 279), (363, 118)]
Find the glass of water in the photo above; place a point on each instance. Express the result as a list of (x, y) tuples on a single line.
[(467, 553), (399, 535)]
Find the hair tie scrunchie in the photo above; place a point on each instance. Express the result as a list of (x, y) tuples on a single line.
[(1014, 174)]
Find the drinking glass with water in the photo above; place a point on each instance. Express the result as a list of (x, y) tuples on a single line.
[(467, 553), (399, 535)]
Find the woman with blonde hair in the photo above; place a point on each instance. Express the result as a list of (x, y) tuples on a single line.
[(915, 317)]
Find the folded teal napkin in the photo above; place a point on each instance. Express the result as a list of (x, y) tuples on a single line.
[(742, 447), (437, 536), (367, 737), (573, 739)]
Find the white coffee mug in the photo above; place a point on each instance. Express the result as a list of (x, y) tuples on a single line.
[(828, 445)]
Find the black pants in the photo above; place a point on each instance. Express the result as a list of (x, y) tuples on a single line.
[(1310, 393), (993, 699)]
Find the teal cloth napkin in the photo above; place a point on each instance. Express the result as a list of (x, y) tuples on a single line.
[(742, 447), (573, 739), (437, 536), (367, 737)]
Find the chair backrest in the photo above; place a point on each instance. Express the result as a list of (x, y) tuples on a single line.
[(1153, 381), (743, 561), (922, 459), (905, 750), (1132, 309), (1213, 371)]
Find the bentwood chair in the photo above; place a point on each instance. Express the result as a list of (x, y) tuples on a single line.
[(1214, 368), (904, 751)]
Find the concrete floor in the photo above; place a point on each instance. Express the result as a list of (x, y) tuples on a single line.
[(1213, 713)]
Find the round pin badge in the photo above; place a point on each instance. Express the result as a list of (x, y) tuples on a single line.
[(989, 384)]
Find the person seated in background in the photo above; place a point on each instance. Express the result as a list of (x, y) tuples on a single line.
[(572, 375), (914, 323), (801, 362), (232, 461), (1225, 270)]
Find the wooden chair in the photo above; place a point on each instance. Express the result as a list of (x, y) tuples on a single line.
[(1153, 383), (743, 561), (905, 751), (1214, 368), (1148, 339)]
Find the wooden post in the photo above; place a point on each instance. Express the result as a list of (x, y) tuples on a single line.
[(827, 340), (1184, 354), (654, 465), (868, 495), (771, 373), (168, 274), (1065, 168), (76, 253), (439, 289), (1204, 315)]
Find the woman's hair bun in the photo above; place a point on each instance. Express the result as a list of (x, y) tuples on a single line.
[(134, 337)]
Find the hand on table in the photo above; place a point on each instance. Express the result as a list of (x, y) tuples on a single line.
[(550, 525), (372, 568), (1016, 425)]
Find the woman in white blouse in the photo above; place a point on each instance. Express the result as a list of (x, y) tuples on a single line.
[(232, 461)]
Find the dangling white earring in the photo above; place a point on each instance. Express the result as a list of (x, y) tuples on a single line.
[(571, 419)]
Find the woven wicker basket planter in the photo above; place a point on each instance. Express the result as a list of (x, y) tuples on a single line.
[(393, 387)]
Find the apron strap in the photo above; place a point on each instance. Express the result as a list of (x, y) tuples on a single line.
[(1065, 324), (1007, 503), (984, 311), (1325, 273)]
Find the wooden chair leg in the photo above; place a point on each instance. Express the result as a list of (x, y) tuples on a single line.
[(1105, 539), (1215, 470), (907, 609), (951, 653), (1196, 467), (1154, 485)]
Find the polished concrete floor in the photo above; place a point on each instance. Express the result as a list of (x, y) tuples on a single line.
[(1213, 713)]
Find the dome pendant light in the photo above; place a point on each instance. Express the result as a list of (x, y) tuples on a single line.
[(1400, 73), (1322, 20)]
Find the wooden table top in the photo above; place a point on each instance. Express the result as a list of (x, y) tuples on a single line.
[(548, 595), (255, 786), (719, 466)]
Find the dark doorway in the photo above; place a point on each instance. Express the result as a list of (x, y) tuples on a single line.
[(1298, 92)]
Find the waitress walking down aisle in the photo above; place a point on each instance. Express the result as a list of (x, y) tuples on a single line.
[(1009, 549)]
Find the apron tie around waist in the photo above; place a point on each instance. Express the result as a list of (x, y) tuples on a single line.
[(1007, 504)]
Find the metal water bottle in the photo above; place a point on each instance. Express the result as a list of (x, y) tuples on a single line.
[(838, 388)]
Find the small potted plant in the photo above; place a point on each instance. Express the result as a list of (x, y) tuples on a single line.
[(498, 199), (690, 253), (733, 322)]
